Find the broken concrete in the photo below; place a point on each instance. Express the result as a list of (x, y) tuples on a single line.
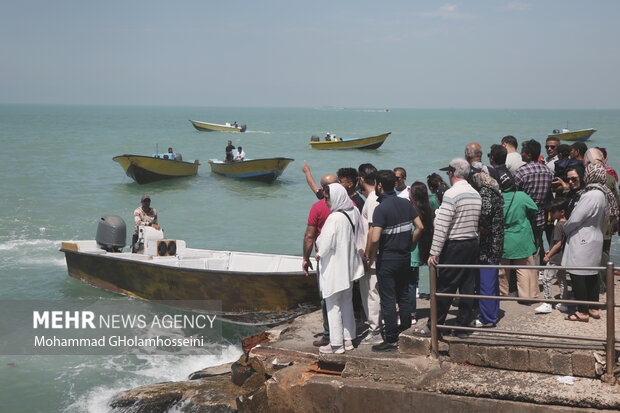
[(283, 372)]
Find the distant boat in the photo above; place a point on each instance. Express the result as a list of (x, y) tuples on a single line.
[(214, 127), (145, 169), (578, 135), (372, 142), (266, 170)]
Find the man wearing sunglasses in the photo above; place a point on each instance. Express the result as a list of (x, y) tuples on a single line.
[(552, 152)]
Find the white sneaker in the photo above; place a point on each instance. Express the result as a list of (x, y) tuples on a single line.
[(561, 308), (348, 345), (328, 349), (544, 308)]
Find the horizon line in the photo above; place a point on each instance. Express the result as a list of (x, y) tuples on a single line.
[(334, 107)]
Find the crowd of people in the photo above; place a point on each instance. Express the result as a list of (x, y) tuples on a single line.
[(370, 232)]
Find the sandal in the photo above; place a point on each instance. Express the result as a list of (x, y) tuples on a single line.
[(575, 317), (595, 314), (422, 331)]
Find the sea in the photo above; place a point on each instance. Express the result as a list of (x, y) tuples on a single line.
[(58, 178)]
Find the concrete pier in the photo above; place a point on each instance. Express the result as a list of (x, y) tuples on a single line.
[(283, 372)]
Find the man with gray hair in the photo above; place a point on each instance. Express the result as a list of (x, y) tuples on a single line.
[(455, 241), (473, 155)]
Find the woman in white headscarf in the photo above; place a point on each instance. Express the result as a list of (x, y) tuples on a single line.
[(339, 247)]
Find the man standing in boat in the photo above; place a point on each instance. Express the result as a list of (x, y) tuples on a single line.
[(229, 153), (143, 216)]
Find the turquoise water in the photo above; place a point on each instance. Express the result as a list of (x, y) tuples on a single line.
[(58, 178)]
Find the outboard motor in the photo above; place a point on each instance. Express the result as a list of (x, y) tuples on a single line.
[(111, 233), (243, 128), (315, 138), (556, 131)]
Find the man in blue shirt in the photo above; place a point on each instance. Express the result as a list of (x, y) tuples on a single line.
[(393, 237)]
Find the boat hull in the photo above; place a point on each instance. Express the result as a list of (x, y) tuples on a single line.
[(265, 170), (146, 169), (214, 127), (578, 135), (372, 142), (246, 297)]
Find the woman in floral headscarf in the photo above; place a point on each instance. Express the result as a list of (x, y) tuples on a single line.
[(584, 242), (610, 226), (491, 245)]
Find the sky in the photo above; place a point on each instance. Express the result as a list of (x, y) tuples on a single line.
[(546, 54)]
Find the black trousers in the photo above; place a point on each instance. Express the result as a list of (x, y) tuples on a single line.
[(463, 279), (585, 288), (539, 255), (393, 281)]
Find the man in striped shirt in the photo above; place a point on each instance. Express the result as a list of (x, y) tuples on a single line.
[(455, 241)]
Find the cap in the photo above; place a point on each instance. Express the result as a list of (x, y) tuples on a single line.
[(506, 182), (448, 168), (145, 197)]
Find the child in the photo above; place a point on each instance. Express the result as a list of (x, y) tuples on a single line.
[(553, 257)]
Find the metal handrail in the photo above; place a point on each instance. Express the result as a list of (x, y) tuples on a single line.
[(610, 304)]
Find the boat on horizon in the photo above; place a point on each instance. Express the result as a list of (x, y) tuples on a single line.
[(253, 288), (372, 142), (216, 127), (144, 169), (265, 170), (578, 135)]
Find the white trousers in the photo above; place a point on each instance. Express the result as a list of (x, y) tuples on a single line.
[(340, 317), (370, 299)]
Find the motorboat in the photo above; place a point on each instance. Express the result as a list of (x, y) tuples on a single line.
[(216, 127), (265, 169), (578, 135), (333, 142), (144, 169), (253, 288)]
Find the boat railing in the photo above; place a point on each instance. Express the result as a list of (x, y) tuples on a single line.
[(609, 304)]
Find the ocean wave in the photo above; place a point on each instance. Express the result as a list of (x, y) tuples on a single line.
[(20, 243), (133, 371), (20, 253)]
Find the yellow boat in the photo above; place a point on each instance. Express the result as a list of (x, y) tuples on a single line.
[(372, 142), (145, 169), (578, 135), (266, 170), (215, 127)]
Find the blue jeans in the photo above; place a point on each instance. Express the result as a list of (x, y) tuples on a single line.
[(393, 279), (487, 283)]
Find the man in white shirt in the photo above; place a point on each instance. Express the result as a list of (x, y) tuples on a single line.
[(240, 154), (401, 188), (513, 159), (552, 152), (368, 283)]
